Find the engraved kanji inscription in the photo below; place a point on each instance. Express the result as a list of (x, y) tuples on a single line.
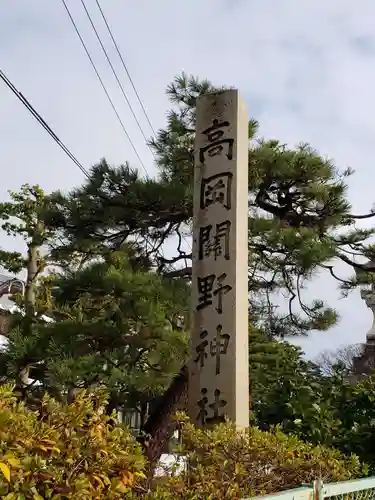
[(216, 189), (201, 349), (202, 405), (220, 291), (217, 347), (210, 287), (216, 142), (214, 243), (205, 291), (214, 408)]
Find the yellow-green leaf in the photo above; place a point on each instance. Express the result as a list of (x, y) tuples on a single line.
[(140, 474), (14, 462), (10, 496), (5, 470)]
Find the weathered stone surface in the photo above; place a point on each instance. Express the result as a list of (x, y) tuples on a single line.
[(218, 368)]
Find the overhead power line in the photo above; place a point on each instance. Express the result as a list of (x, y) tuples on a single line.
[(104, 87), (45, 125), (42, 121), (115, 75), (128, 75), (125, 67)]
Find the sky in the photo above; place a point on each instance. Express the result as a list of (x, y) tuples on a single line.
[(306, 70)]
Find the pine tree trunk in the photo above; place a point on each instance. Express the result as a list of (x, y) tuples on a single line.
[(160, 424), (30, 303), (72, 394), (112, 405), (32, 271)]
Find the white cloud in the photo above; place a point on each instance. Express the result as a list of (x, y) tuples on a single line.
[(306, 69)]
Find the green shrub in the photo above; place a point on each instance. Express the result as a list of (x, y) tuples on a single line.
[(74, 451), (65, 451), (226, 464)]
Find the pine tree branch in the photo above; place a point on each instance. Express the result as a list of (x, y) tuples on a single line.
[(366, 216), (362, 267), (333, 274), (176, 259), (185, 272)]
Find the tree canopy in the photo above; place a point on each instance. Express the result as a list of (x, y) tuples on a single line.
[(300, 218), (105, 307)]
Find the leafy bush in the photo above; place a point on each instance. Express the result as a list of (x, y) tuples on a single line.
[(357, 416), (226, 464), (75, 451), (65, 451)]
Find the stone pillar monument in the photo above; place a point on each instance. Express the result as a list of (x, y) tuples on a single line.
[(219, 367), (369, 298), (364, 365)]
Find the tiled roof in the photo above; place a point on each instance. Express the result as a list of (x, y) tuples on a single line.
[(10, 284)]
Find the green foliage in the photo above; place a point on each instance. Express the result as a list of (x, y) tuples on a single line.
[(114, 324), (357, 413), (75, 451), (280, 380), (26, 206), (119, 308), (64, 451), (289, 391), (22, 216), (299, 215), (224, 463)]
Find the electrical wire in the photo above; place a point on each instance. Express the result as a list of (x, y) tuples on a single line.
[(125, 67), (104, 87), (128, 75), (116, 76), (115, 73), (42, 122), (45, 125)]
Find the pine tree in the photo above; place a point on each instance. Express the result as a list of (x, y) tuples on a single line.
[(22, 216), (115, 325), (300, 219), (299, 215)]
